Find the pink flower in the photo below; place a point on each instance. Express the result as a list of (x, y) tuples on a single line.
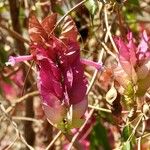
[(61, 80), (13, 60), (134, 62)]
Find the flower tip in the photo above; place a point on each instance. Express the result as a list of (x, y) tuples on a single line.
[(11, 61)]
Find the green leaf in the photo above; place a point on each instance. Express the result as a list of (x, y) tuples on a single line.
[(126, 132), (92, 6), (126, 146), (99, 138)]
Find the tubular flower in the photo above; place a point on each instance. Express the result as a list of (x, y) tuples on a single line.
[(134, 63), (61, 80)]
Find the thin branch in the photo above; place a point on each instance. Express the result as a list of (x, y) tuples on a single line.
[(12, 143), (14, 34), (109, 52), (54, 140), (146, 135), (95, 73), (72, 9), (134, 130), (80, 130), (108, 110), (26, 77), (108, 30), (99, 108), (18, 133), (27, 119), (140, 138), (34, 93)]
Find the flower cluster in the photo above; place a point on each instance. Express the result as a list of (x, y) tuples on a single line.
[(134, 63), (61, 80)]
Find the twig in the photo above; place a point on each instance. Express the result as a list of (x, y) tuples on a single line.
[(109, 111), (14, 103), (146, 135), (34, 93), (15, 34), (54, 140), (12, 73), (140, 138), (4, 133), (18, 133), (108, 30), (12, 143), (108, 51), (24, 141), (133, 132), (79, 131), (26, 77), (27, 119), (99, 108), (72, 9), (95, 73)]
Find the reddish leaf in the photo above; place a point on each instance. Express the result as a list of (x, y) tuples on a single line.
[(124, 55), (69, 30), (49, 23), (36, 32), (132, 49)]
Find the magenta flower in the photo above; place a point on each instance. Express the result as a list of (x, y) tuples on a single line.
[(61, 80), (134, 63)]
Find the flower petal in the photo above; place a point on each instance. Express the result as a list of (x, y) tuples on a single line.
[(13, 60), (49, 81)]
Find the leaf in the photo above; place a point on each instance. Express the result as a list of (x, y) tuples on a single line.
[(92, 6), (36, 32), (127, 131), (124, 55), (111, 95), (49, 22), (99, 138), (126, 146), (69, 30)]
